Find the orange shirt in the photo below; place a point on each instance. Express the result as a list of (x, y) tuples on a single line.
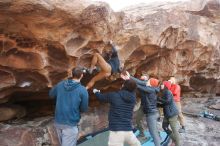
[(175, 89)]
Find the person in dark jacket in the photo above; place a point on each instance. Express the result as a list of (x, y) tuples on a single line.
[(109, 65), (120, 114), (140, 113), (71, 99), (149, 103), (170, 113)]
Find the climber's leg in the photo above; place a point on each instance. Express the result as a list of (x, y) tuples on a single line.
[(99, 76), (99, 60)]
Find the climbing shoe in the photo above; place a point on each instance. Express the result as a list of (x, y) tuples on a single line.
[(92, 70), (87, 70)]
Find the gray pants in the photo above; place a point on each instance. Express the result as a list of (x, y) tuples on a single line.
[(152, 126), (67, 135), (174, 134)]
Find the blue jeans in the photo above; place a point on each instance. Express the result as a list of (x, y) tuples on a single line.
[(67, 135), (152, 126)]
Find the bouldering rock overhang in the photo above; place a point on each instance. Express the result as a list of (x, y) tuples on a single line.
[(41, 41)]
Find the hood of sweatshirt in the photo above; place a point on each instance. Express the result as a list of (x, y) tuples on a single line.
[(127, 96), (70, 85)]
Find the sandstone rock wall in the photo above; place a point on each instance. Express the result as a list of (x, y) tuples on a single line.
[(41, 41)]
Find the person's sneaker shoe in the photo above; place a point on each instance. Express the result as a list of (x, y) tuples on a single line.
[(182, 130)]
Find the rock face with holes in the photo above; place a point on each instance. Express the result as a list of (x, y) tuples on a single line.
[(175, 39), (41, 41)]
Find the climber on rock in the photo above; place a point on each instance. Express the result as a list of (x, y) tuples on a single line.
[(108, 65)]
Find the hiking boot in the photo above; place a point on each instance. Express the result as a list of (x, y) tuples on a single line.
[(182, 130)]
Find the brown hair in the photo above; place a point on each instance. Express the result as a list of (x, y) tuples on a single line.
[(77, 72), (130, 85)]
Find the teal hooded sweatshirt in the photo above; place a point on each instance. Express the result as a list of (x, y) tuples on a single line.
[(71, 99)]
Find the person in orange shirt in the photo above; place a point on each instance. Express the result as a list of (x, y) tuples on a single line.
[(176, 90)]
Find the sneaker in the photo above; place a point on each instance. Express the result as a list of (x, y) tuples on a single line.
[(182, 130)]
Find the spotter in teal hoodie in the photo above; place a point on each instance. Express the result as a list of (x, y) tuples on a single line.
[(71, 99)]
